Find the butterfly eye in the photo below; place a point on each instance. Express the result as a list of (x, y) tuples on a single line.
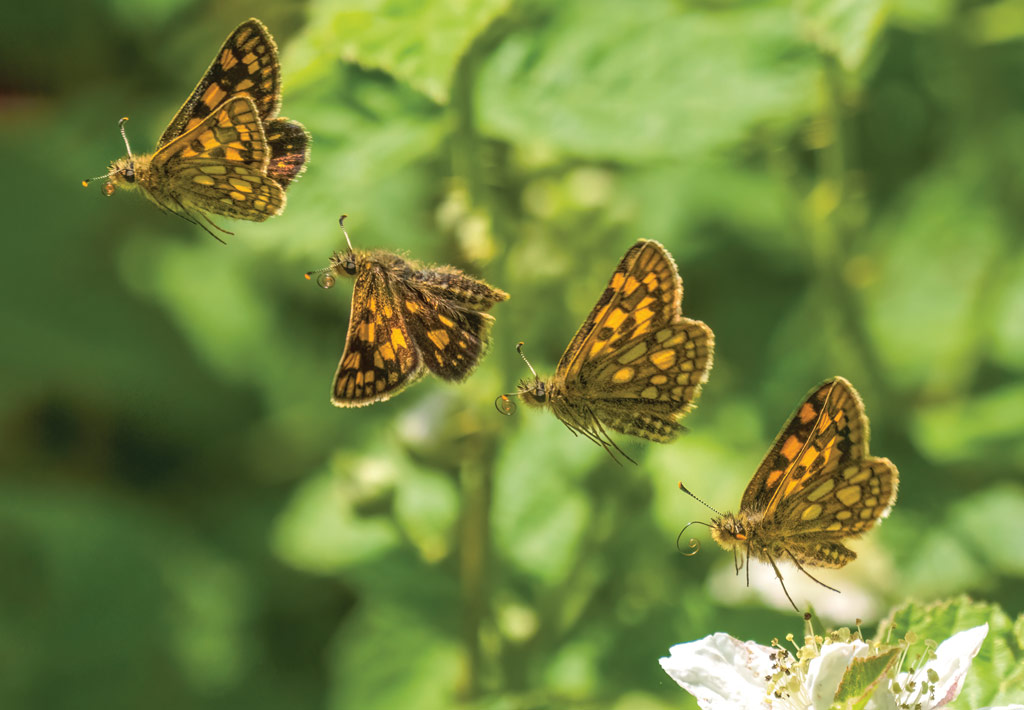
[(128, 174), (505, 405), (539, 391), (349, 265)]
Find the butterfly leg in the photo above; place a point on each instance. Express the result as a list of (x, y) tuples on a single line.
[(184, 213), (801, 568), (603, 438), (779, 575)]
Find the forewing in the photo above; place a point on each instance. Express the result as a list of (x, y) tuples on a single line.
[(828, 431), (288, 143), (643, 294), (380, 358), (246, 65), (457, 288), (220, 165), (637, 360)]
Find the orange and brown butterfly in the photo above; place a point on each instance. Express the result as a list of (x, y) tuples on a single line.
[(225, 152), (406, 320), (636, 365), (816, 488)]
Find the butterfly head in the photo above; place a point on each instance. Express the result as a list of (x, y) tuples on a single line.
[(342, 263), (534, 393), (730, 531), (122, 172)]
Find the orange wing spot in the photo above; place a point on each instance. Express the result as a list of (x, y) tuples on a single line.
[(387, 310), (213, 96), (372, 304), (807, 413), (630, 286), (237, 196), (351, 362), (439, 338), (244, 85), (371, 330), (617, 279), (663, 359), (615, 318), (623, 375), (232, 154), (791, 448), (773, 479), (386, 351), (448, 322), (643, 315), (240, 185), (398, 339), (228, 59), (809, 456), (412, 306), (203, 180)]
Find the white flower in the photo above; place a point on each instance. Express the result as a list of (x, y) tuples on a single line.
[(724, 673)]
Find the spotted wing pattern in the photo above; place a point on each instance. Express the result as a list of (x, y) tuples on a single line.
[(636, 360), (406, 321), (818, 485), (246, 65), (219, 165)]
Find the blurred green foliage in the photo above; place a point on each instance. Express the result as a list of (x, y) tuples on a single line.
[(185, 520)]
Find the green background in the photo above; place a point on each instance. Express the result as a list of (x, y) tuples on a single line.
[(185, 521)]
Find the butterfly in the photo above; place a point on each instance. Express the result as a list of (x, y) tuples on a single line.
[(816, 488), (224, 152), (406, 320), (636, 365)]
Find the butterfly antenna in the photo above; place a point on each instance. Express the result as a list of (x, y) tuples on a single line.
[(687, 491), (519, 349), (120, 125), (341, 223), (694, 542)]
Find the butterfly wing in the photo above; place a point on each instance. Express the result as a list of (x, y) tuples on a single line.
[(444, 314), (220, 165), (380, 358), (818, 479), (246, 65), (636, 350), (288, 143)]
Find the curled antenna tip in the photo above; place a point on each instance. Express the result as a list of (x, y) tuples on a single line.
[(85, 183), (123, 119), (309, 276), (505, 405), (694, 543), (341, 220)]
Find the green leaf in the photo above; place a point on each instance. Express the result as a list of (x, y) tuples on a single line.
[(995, 676), (391, 654), (606, 79), (846, 29), (862, 677), (419, 42), (993, 519), (926, 332), (985, 426)]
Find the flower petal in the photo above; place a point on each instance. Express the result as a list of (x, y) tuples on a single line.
[(952, 661), (826, 671), (721, 672)]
